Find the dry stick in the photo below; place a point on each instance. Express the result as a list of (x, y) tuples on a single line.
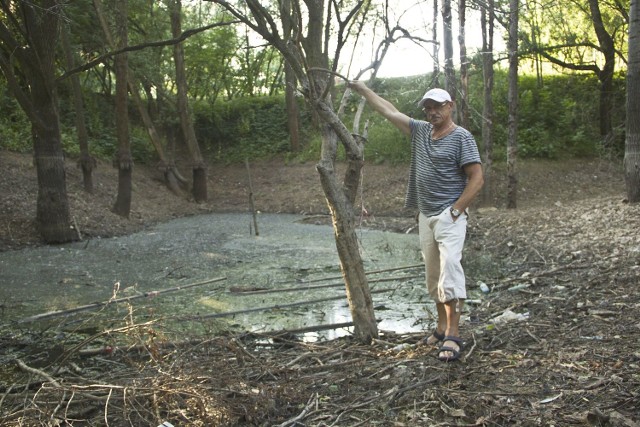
[(251, 199), (407, 267), (310, 288), (273, 307), (112, 301)]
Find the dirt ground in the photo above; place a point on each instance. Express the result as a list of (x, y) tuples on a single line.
[(554, 342)]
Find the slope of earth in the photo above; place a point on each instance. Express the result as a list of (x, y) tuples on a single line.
[(554, 341)]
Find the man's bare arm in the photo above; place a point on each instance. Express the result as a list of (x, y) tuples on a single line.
[(385, 108)]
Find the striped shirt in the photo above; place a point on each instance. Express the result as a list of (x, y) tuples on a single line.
[(436, 176)]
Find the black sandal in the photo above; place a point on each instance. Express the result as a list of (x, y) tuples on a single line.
[(439, 336), (456, 352)]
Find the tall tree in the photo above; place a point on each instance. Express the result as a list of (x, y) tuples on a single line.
[(123, 160), (198, 167), (86, 162), (512, 141), (29, 34), (632, 142), (463, 103), (592, 40), (487, 26), (293, 122), (449, 70), (308, 57)]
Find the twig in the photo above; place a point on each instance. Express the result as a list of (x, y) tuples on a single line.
[(37, 372), (272, 307), (301, 415), (252, 204), (324, 70)]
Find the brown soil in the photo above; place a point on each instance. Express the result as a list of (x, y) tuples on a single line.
[(569, 259)]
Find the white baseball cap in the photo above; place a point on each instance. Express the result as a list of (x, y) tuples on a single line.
[(438, 95)]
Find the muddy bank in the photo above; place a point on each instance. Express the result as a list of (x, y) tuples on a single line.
[(287, 253)]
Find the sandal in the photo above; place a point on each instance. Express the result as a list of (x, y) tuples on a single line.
[(456, 352), (438, 336)]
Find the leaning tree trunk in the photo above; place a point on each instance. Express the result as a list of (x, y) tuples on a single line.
[(306, 56), (123, 160), (632, 143), (512, 143), (199, 168)]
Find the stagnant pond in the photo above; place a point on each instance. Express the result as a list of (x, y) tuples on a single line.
[(287, 277)]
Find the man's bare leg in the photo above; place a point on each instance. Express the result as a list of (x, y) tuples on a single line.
[(452, 311)]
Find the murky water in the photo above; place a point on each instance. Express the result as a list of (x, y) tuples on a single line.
[(290, 265)]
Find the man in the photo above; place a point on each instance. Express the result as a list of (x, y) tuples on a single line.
[(445, 177)]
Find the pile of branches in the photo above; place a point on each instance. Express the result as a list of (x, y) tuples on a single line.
[(553, 342)]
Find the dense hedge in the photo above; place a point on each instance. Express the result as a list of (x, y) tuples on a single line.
[(557, 118)]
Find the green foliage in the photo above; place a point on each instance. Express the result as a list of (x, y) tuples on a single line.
[(249, 127), (15, 129)]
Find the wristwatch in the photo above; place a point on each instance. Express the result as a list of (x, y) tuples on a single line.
[(455, 212)]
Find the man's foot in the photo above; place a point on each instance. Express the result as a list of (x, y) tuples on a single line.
[(434, 338), (451, 349)]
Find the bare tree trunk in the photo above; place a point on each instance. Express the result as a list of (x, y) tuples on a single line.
[(607, 46), (123, 160), (449, 71), (87, 163), (172, 176), (37, 97), (512, 143), (436, 46), (464, 66), (199, 167), (487, 19), (293, 124), (632, 142), (309, 60)]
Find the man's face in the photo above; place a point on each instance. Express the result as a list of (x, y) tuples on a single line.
[(437, 112)]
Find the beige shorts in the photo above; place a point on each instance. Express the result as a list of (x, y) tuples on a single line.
[(441, 242)]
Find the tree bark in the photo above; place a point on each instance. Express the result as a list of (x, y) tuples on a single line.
[(87, 162), (632, 141), (449, 71), (199, 167), (463, 104), (487, 25), (39, 21), (123, 160), (512, 143), (606, 74)]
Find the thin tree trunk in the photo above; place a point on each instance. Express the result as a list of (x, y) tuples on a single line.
[(436, 46), (123, 160), (632, 142), (449, 71), (512, 143), (290, 81), (87, 163), (487, 19), (607, 47), (199, 167), (464, 66)]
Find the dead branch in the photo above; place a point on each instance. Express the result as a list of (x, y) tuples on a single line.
[(96, 305)]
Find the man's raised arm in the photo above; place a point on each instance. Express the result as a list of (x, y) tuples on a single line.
[(382, 106)]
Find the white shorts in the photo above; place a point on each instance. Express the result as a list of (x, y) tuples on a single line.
[(441, 242)]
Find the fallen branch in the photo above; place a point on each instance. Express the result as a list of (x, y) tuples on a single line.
[(251, 291), (272, 307), (114, 301)]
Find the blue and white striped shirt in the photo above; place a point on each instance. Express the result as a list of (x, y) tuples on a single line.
[(436, 175)]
